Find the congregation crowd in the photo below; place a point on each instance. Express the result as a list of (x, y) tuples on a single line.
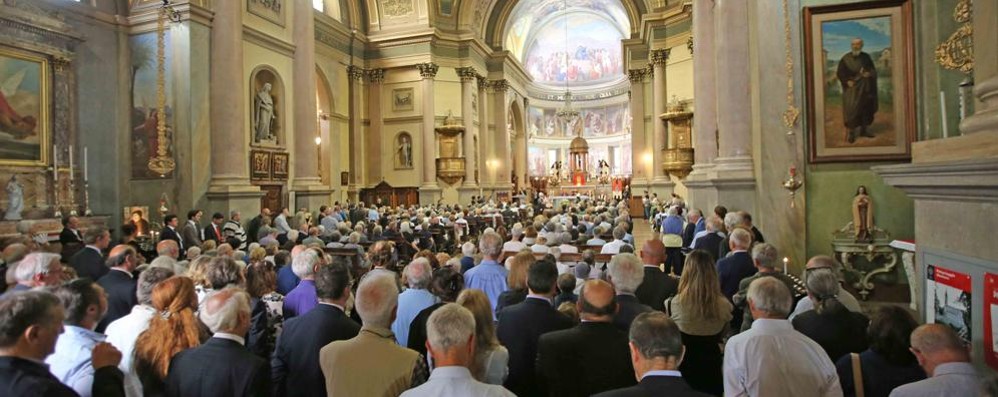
[(539, 299)]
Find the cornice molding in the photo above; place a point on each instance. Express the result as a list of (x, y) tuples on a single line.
[(267, 41), (969, 180)]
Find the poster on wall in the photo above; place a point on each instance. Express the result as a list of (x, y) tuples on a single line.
[(991, 320), (144, 117), (947, 295)]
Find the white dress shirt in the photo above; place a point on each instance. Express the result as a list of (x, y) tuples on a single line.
[(513, 246), (612, 247), (457, 382), (772, 359), (233, 337), (121, 334)]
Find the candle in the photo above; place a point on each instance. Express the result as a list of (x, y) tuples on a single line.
[(785, 261), (85, 179), (55, 163), (71, 162), (942, 113)]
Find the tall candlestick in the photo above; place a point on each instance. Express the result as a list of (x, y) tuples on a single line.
[(942, 113), (85, 178), (71, 178), (55, 163), (785, 261)]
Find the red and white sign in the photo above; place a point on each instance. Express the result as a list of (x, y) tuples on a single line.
[(947, 299), (991, 319)]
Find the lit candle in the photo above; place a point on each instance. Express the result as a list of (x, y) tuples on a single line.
[(55, 163), (785, 261), (85, 179), (71, 177)]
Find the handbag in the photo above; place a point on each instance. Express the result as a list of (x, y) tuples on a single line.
[(857, 375)]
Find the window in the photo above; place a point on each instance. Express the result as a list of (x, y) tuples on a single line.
[(316, 4)]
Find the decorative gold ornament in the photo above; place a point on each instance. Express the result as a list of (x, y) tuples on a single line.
[(792, 113), (957, 52), (161, 163)]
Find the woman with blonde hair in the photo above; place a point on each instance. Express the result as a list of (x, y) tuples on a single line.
[(257, 254), (172, 329), (491, 358), (516, 280), (702, 313), (197, 271)]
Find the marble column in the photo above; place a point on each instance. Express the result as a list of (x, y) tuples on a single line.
[(429, 191), (355, 77), (641, 159), (704, 87), (734, 108), (306, 162), (468, 77), (229, 187), (985, 118), (482, 133), (375, 153), (500, 142), (658, 59)]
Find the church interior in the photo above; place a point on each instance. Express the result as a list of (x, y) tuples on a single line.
[(818, 117)]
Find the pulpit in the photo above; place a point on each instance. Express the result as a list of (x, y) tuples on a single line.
[(450, 164)]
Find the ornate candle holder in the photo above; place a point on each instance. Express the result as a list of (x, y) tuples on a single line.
[(86, 199), (792, 184)]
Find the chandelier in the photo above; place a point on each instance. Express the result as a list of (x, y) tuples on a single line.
[(568, 115)]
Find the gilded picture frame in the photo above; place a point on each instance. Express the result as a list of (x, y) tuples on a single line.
[(260, 165), (25, 108), (860, 78)]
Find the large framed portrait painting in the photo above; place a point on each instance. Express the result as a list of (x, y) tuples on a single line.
[(24, 113), (860, 76)]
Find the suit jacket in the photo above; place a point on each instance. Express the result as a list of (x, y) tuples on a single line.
[(688, 233), (120, 289), (587, 359), (656, 288), (839, 333), (191, 235), (22, 377), (654, 386), (209, 234), (295, 367), (170, 234), (520, 327), (629, 308), (219, 367), (89, 263), (71, 242), (732, 270), (710, 243)]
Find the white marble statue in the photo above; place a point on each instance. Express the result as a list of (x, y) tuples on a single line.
[(405, 152), (15, 200), (263, 114)]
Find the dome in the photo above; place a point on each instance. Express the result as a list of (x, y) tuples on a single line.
[(579, 144)]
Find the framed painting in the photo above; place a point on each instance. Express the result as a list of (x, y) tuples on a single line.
[(402, 99), (259, 165), (279, 170), (859, 72), (25, 133)]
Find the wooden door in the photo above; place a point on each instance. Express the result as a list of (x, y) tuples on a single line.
[(271, 197)]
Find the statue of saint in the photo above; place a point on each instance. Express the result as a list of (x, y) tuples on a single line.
[(15, 200), (263, 114), (862, 216), (405, 152)]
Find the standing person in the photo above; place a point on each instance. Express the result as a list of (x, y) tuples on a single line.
[(124, 332), (657, 286), (771, 359), (414, 299), (170, 232), (446, 284), (626, 274), (232, 229), (516, 280), (37, 269), (30, 324), (222, 366), (254, 225), (70, 238), (281, 222), (941, 352), (191, 232), (302, 298), (119, 283), (267, 306), (521, 326), (452, 341), (672, 238), (295, 369), (84, 304), (858, 76), (89, 261), (656, 351), (213, 232), (491, 359), (570, 364), (834, 327), (173, 328), (702, 314), (489, 276), (888, 363)]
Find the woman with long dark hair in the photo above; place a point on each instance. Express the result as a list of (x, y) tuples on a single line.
[(887, 363)]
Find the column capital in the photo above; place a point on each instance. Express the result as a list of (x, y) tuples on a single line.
[(483, 83), (659, 56), (467, 74), (376, 76), (428, 70), (355, 73), (499, 85), (637, 75)]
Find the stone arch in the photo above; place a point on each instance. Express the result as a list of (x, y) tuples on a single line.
[(518, 142), (496, 17)]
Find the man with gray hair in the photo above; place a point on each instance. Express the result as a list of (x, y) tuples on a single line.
[(942, 354), (372, 363), (89, 261), (736, 267), (771, 358), (222, 366), (416, 298), (765, 256), (468, 251), (711, 239), (123, 332), (613, 247), (234, 230), (37, 269), (732, 220), (489, 276), (450, 341), (626, 274), (656, 352), (302, 298)]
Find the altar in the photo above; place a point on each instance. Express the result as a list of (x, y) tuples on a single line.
[(46, 230)]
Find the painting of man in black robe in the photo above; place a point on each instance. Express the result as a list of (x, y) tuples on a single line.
[(858, 76)]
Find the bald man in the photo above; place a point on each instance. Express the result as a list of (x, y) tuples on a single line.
[(943, 356), (593, 356), (657, 286), (119, 284)]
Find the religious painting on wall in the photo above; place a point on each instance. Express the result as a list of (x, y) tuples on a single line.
[(535, 121), (271, 10), (137, 216), (589, 52), (24, 113), (859, 66), (145, 117), (402, 99), (536, 161), (279, 169), (259, 165)]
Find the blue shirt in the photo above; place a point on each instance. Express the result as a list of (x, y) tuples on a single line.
[(300, 300), (411, 302), (286, 280), (490, 277), (672, 224), (701, 226), (71, 360), (467, 263)]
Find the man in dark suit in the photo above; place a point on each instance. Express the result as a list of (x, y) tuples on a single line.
[(735, 268), (32, 323), (656, 350), (191, 231), (593, 356), (89, 262), (70, 237), (657, 286), (222, 366), (626, 274), (711, 241), (295, 369), (253, 227), (119, 284), (213, 231), (522, 324), (694, 224), (170, 232)]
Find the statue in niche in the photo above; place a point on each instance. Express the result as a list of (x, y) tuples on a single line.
[(15, 199), (263, 114), (862, 216), (404, 151)]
